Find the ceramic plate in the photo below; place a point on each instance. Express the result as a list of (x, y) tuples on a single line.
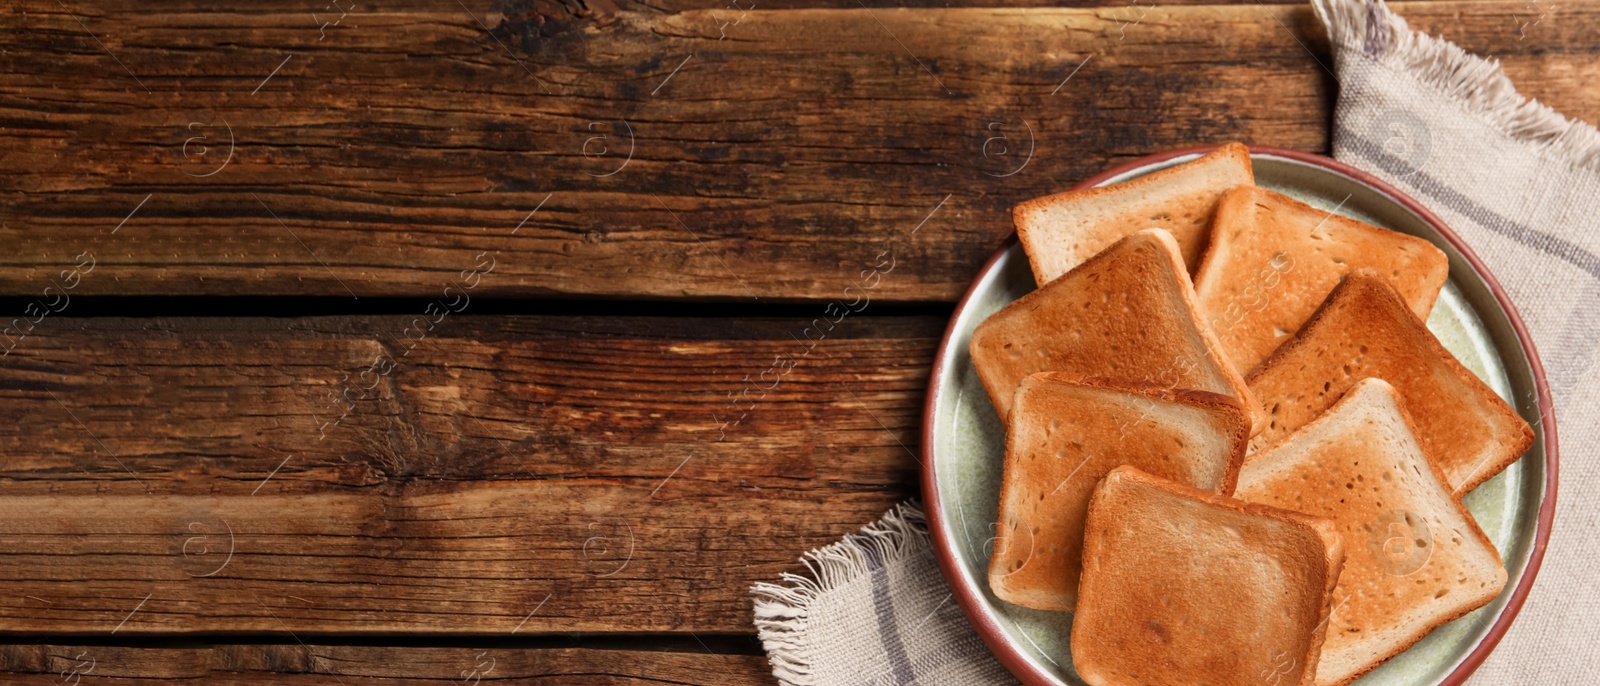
[(963, 441)]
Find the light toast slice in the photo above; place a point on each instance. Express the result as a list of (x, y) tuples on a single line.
[(1414, 557), (1187, 588), (1061, 231), (1065, 435), (1365, 330), (1272, 260), (1126, 314)]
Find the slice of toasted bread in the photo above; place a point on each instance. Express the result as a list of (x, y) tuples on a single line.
[(1126, 314), (1065, 435), (1272, 260), (1184, 587), (1365, 330), (1062, 231), (1414, 557)]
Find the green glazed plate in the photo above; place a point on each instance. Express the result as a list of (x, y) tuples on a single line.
[(964, 442)]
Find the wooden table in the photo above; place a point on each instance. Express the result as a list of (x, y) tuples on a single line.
[(455, 341)]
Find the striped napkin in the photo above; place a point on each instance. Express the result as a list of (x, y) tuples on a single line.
[(1521, 184), (1518, 181), (873, 609)]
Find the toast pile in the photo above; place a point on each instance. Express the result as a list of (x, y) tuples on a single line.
[(1366, 330), (1299, 527), (1414, 557), (1067, 435)]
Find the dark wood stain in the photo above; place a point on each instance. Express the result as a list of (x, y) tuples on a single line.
[(402, 146)]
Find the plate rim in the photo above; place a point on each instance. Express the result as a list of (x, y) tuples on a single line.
[(968, 597)]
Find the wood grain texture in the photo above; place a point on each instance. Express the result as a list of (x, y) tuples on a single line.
[(730, 10), (669, 155), (507, 475), (296, 664)]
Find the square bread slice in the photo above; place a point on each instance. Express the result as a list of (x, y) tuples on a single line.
[(1065, 435), (1186, 588), (1365, 330), (1414, 556), (1059, 232), (1272, 260), (1126, 314)]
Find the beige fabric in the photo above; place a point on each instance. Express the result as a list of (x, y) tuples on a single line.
[(1519, 182), (872, 610), (1516, 180)]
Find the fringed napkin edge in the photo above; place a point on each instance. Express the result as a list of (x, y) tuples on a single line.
[(1369, 28), (782, 612)]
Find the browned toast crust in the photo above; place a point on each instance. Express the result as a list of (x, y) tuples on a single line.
[(1127, 313), (1150, 615), (1355, 521), (1067, 434), (1272, 260), (1364, 330), (1188, 217)]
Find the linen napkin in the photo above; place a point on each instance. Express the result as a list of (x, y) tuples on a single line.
[(1521, 184), (872, 610), (1518, 181)]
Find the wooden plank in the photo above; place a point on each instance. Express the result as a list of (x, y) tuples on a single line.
[(71, 665), (497, 475), (667, 155), (730, 11)]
